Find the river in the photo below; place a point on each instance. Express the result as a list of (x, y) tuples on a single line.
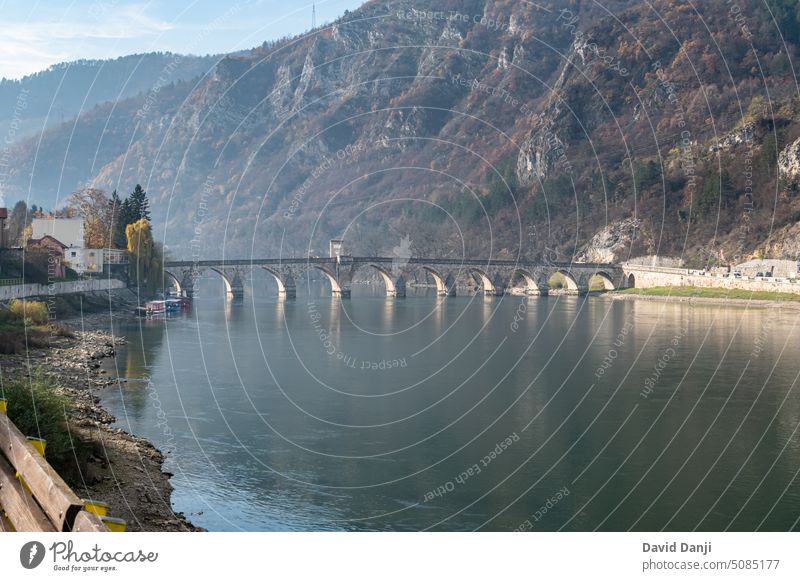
[(464, 413)]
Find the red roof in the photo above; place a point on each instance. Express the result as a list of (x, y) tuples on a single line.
[(40, 240)]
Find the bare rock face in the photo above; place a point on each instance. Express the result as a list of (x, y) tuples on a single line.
[(789, 161), (568, 116), (737, 137), (784, 243), (539, 155), (611, 242)]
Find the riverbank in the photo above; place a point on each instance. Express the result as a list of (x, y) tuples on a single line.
[(123, 470), (718, 296)]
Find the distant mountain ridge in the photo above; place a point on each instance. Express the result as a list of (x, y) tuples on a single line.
[(562, 129), (64, 90)]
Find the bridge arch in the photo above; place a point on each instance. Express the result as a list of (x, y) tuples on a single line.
[(284, 280), (631, 280), (174, 278), (526, 277), (438, 279), (572, 284), (335, 286), (608, 282), (487, 285), (278, 279), (228, 282), (394, 287)]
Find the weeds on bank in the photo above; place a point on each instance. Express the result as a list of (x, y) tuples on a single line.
[(25, 324), (39, 408)]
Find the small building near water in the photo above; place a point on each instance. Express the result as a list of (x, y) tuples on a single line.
[(55, 254)]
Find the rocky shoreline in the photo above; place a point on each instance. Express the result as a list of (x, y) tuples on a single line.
[(125, 471)]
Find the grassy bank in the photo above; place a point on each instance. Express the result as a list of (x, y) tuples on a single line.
[(710, 293)]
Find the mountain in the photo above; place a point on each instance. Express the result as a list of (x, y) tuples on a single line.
[(566, 129), (63, 91)]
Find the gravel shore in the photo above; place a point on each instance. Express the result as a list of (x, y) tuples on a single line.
[(126, 471)]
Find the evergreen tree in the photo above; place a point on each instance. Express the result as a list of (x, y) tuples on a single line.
[(124, 217), (118, 233), (17, 221), (140, 205)]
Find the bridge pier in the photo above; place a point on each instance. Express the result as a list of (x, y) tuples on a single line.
[(234, 281), (498, 286), (450, 285), (399, 289), (287, 289)]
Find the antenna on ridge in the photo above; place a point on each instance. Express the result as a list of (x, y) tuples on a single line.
[(313, 15)]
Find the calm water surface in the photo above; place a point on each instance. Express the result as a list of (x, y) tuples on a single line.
[(470, 413)]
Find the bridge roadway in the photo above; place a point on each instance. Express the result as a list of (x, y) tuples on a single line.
[(451, 276)]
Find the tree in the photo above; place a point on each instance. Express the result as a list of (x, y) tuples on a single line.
[(124, 218), (146, 263), (140, 205), (787, 15), (17, 222), (118, 233), (646, 175), (95, 208), (716, 189)]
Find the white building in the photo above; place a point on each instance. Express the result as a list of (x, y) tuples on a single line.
[(68, 231), (83, 260)]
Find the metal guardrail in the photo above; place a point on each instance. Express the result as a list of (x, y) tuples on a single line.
[(11, 281), (33, 497)]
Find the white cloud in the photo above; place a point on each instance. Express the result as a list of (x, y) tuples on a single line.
[(35, 44)]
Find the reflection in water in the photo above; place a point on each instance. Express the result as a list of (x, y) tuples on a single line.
[(149, 337), (472, 412)]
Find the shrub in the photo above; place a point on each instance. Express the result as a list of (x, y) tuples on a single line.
[(39, 409), (35, 311)]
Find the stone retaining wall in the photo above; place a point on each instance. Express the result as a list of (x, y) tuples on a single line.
[(20, 291), (654, 277)]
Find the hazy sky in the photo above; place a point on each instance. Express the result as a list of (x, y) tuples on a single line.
[(37, 34)]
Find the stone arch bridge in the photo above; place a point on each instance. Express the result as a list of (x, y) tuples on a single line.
[(451, 276)]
